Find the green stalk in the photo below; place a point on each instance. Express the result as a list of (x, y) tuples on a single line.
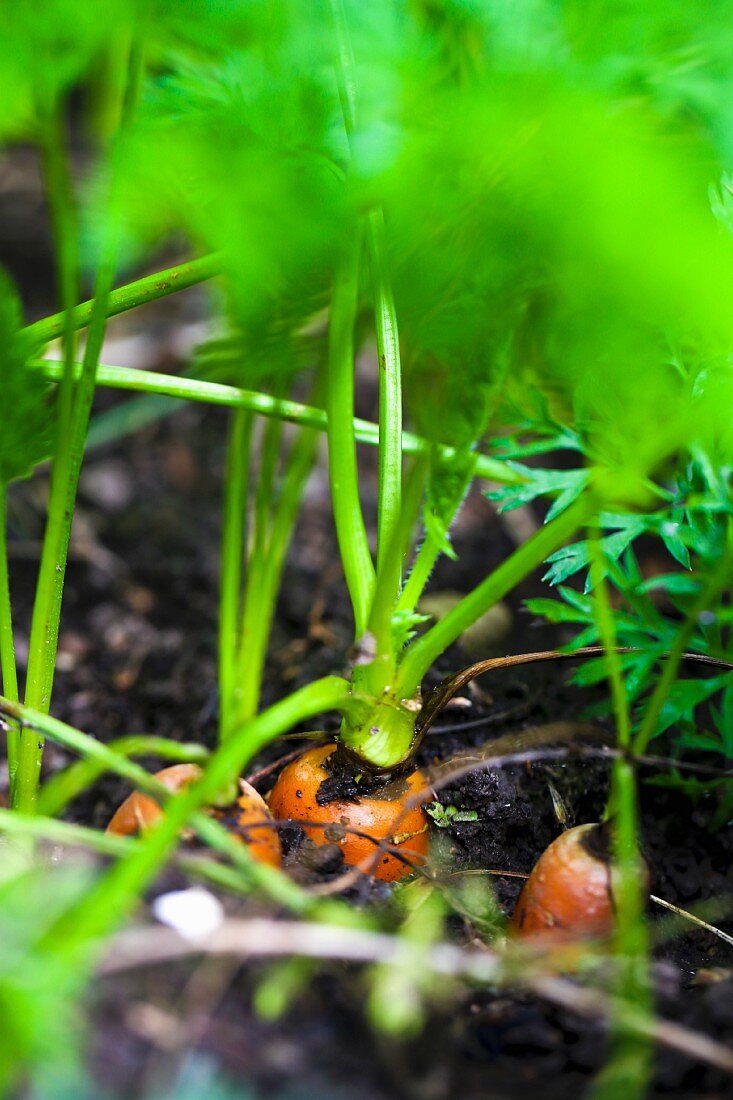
[(62, 496), (603, 613), (345, 65), (7, 643), (329, 693), (37, 827), (232, 559), (391, 532), (430, 551), (68, 454), (265, 488), (64, 786), (412, 495), (231, 397), (24, 753), (57, 178), (390, 404), (256, 618), (422, 654), (628, 1066), (261, 592), (151, 288), (350, 530), (118, 892), (422, 568), (254, 622), (14, 823), (385, 316), (93, 751), (383, 608), (105, 90)]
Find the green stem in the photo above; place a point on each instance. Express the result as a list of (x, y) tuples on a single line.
[(64, 786), (67, 460), (422, 568), (105, 90), (431, 550), (261, 595), (628, 1062), (422, 654), (381, 733), (385, 316), (118, 892), (59, 191), (27, 751), (345, 66), (628, 1067), (232, 559), (390, 405), (265, 488), (256, 613), (62, 496), (151, 288), (231, 397), (350, 530), (132, 87), (329, 693), (255, 623), (13, 823), (7, 643), (383, 607), (412, 497), (41, 724), (603, 614)]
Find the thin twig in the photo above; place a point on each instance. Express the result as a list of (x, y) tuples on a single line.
[(435, 701), (262, 773), (692, 918), (467, 871), (259, 938)]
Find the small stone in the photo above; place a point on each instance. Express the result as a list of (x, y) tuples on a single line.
[(193, 913), (108, 485)]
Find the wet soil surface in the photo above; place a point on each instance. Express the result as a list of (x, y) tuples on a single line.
[(138, 654)]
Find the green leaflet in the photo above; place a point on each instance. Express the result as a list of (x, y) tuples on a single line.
[(448, 483), (25, 436)]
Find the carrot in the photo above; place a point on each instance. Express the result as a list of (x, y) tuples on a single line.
[(385, 815), (247, 818), (569, 894)]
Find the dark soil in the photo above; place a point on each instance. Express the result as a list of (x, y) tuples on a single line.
[(138, 653)]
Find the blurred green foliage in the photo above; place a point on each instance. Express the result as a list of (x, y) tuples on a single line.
[(545, 227), (39, 996), (543, 167), (546, 170)]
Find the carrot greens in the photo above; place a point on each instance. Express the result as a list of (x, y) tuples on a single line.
[(479, 252)]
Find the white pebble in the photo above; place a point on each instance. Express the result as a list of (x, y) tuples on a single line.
[(193, 913)]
